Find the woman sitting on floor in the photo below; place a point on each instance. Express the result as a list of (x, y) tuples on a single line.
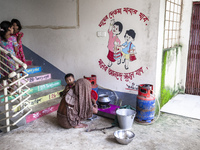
[(76, 105)]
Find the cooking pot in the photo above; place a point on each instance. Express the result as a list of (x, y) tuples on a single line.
[(104, 99)]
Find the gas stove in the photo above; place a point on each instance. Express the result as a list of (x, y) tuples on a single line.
[(108, 111), (103, 106)]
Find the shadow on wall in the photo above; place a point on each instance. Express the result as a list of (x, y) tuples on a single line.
[(45, 65), (127, 99)]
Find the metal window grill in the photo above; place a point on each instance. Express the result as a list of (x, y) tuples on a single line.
[(173, 11)]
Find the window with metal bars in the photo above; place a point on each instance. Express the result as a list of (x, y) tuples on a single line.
[(173, 10)]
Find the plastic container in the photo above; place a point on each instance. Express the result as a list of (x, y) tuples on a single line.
[(94, 95), (125, 118)]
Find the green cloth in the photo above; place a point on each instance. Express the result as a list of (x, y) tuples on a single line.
[(116, 123)]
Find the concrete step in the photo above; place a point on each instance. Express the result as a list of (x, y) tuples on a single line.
[(43, 96), (43, 85), (3, 123), (42, 103), (43, 109), (37, 77), (33, 69), (46, 95), (45, 105), (37, 87), (13, 119)]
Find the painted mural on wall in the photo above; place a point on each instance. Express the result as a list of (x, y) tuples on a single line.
[(122, 51), (117, 52)]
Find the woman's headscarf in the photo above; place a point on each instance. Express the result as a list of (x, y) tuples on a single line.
[(83, 108)]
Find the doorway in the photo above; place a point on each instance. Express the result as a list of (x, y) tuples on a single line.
[(193, 66)]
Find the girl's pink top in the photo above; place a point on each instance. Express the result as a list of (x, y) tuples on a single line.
[(111, 41), (20, 54)]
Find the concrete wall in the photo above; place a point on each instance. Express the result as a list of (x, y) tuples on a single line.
[(171, 83), (174, 64), (65, 34)]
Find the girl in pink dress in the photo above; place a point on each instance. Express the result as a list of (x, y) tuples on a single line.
[(17, 28), (9, 43), (114, 30)]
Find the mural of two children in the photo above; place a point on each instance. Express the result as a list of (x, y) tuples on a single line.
[(122, 53)]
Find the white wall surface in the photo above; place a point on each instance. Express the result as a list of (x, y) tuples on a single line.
[(42, 13), (78, 50), (160, 47)]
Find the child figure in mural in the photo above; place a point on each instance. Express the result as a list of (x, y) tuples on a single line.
[(114, 52), (128, 49), (17, 28)]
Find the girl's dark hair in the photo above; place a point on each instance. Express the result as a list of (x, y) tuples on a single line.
[(17, 22), (4, 29), (69, 75), (120, 26), (130, 33)]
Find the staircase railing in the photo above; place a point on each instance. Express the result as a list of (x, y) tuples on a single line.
[(13, 91)]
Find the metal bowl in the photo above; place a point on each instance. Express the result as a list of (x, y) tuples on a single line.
[(124, 136), (104, 98)]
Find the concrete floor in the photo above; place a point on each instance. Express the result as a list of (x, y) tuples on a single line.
[(184, 105), (170, 132)]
